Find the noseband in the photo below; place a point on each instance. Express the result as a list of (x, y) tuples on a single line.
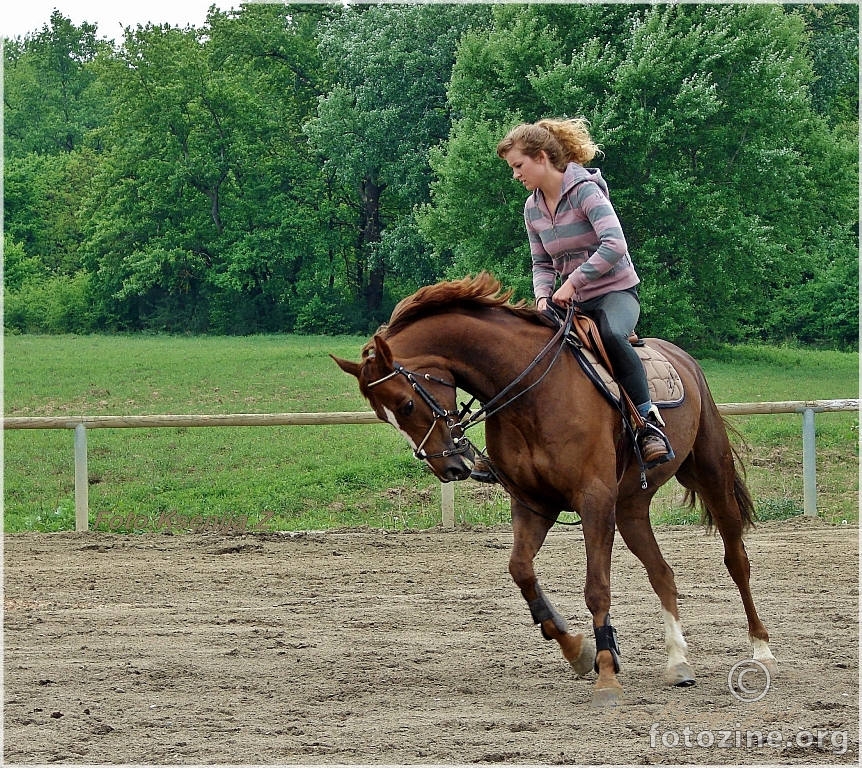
[(453, 419)]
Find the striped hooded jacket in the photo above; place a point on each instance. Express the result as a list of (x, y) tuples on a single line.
[(582, 241)]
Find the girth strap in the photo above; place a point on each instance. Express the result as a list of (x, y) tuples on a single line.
[(588, 336)]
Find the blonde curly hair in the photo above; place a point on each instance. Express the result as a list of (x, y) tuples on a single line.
[(564, 141)]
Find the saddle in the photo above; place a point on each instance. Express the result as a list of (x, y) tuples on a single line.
[(665, 385)]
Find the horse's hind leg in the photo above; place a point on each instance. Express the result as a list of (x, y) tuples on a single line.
[(710, 472), (634, 526), (530, 531)]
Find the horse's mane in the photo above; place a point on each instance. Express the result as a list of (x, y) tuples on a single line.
[(470, 293)]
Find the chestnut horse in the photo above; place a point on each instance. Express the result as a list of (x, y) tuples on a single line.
[(556, 444)]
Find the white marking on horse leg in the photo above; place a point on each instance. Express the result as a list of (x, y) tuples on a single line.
[(673, 640), (761, 650), (390, 417), (764, 655), (678, 671)]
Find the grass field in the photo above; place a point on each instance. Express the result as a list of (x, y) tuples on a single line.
[(307, 477)]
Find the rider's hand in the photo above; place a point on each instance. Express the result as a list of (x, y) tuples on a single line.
[(564, 294)]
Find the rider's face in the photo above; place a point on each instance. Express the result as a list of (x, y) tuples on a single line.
[(528, 170)]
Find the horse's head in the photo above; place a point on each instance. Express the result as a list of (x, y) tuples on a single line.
[(419, 404)]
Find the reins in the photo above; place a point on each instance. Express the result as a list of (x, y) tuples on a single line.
[(492, 407)]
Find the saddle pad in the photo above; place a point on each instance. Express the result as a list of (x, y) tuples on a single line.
[(665, 385)]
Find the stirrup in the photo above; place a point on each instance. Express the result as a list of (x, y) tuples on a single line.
[(652, 428)]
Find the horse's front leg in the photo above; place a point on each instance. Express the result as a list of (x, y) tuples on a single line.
[(530, 531), (598, 524)]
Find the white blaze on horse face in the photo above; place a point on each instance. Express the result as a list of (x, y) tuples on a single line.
[(390, 417), (673, 640)]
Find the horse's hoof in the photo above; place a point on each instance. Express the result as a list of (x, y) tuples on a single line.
[(771, 666), (604, 698), (583, 663), (680, 675)]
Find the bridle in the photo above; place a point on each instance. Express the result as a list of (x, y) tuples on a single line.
[(453, 419), (458, 422)]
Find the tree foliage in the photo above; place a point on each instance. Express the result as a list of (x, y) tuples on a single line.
[(302, 167), (53, 96), (713, 151), (374, 128)]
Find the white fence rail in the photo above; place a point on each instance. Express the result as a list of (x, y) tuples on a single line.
[(80, 425)]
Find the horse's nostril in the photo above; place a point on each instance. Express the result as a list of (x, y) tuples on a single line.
[(457, 473)]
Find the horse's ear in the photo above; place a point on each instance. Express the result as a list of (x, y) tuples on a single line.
[(377, 353), (347, 366), (382, 352)]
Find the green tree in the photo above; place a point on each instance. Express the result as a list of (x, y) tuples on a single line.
[(54, 104), (475, 217), (374, 128), (834, 54), (704, 118), (42, 198), (304, 166), (726, 180), (52, 96), (197, 212), (18, 268)]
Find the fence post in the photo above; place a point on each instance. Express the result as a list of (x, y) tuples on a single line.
[(809, 464), (82, 480)]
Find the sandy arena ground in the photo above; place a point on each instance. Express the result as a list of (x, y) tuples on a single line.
[(368, 647)]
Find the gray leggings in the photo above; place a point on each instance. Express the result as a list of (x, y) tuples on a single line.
[(616, 315)]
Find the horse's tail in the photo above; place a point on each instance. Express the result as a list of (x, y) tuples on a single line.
[(740, 491)]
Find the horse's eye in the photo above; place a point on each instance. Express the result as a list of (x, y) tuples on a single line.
[(406, 409)]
